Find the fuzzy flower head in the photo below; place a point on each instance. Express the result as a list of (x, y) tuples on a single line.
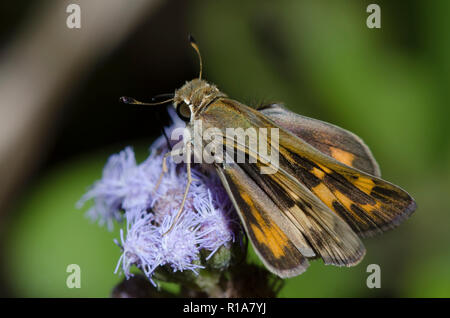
[(140, 244), (124, 186), (217, 223), (155, 236), (180, 246)]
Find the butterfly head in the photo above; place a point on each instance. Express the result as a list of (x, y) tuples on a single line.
[(193, 96)]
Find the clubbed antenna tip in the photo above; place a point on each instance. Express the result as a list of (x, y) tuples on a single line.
[(197, 50)]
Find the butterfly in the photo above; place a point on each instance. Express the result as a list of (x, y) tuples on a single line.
[(325, 194)]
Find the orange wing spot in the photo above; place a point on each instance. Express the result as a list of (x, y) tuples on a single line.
[(377, 206), (364, 183), (318, 173), (347, 204), (272, 239), (267, 234), (342, 156), (259, 235), (373, 213), (278, 242), (324, 194)]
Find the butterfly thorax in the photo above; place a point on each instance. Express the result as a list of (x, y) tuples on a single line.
[(197, 94)]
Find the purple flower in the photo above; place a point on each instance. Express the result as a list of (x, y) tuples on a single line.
[(128, 191), (218, 226), (148, 245), (140, 244), (124, 186), (180, 247)]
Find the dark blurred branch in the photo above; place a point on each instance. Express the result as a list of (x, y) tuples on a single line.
[(42, 66)]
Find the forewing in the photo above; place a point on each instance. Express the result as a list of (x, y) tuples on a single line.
[(336, 142), (368, 204)]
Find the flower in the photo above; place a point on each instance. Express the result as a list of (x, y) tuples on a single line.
[(155, 235), (217, 224), (124, 186), (140, 244), (180, 246)]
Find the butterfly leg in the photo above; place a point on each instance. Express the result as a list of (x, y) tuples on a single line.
[(189, 181), (164, 166), (164, 170)]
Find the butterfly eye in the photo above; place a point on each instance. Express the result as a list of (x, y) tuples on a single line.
[(184, 112)]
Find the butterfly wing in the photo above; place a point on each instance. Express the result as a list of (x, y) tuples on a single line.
[(280, 246), (329, 236), (336, 142), (368, 204)]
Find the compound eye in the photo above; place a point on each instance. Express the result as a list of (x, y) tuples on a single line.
[(184, 112)]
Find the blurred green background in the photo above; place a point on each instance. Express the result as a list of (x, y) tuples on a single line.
[(390, 86)]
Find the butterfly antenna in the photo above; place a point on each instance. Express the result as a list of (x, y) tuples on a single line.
[(195, 47), (132, 101)]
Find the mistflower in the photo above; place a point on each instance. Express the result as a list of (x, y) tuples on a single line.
[(141, 244), (128, 191), (124, 186), (217, 225), (180, 247)]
